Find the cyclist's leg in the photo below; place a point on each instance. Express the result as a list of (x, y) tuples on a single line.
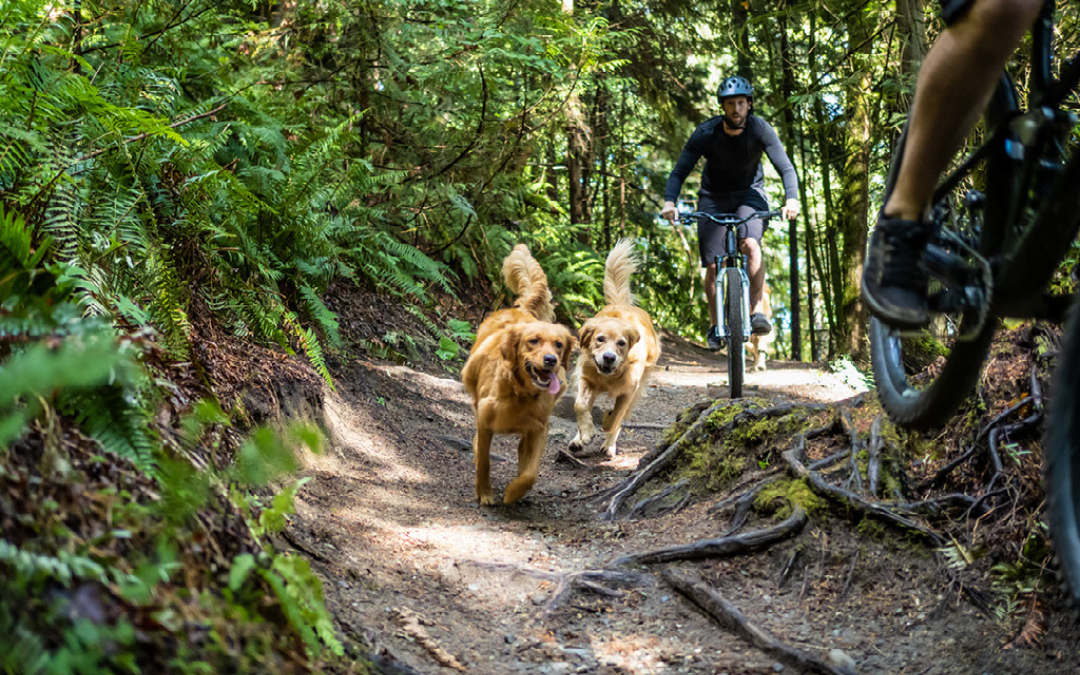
[(750, 234), (710, 245), (955, 83)]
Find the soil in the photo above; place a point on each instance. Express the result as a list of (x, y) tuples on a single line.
[(434, 583)]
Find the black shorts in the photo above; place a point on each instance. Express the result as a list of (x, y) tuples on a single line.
[(952, 10), (711, 235)]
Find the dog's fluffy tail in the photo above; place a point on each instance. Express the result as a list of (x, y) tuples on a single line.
[(526, 279), (622, 263)]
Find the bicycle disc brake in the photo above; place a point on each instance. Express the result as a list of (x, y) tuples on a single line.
[(967, 278)]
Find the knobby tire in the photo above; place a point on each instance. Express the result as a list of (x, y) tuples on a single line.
[(933, 404), (736, 349), (1062, 454)]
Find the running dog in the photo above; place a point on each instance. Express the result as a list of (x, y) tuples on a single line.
[(515, 373), (619, 348), (761, 345)]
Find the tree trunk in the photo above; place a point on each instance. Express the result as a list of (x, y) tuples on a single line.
[(577, 152), (739, 18), (854, 197), (787, 87), (827, 265)]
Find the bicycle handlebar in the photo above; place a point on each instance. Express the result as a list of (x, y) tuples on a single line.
[(727, 219)]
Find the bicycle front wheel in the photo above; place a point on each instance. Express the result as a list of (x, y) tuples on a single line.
[(923, 376), (736, 345)]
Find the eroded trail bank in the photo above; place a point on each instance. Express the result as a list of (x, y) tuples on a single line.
[(436, 584)]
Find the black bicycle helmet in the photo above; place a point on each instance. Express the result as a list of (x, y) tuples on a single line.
[(735, 86)]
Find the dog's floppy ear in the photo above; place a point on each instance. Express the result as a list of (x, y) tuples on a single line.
[(586, 333), (571, 342), (510, 343), (632, 335)]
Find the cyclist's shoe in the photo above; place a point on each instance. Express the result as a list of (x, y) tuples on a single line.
[(760, 324), (895, 280), (713, 339)]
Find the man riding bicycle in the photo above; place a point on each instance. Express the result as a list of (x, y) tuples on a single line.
[(733, 182), (955, 84)]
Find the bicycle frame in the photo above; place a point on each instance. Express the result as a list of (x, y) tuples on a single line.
[(1034, 141), (730, 258)]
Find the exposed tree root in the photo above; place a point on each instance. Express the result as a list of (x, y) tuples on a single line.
[(730, 618), (939, 477), (743, 503), (694, 433), (588, 580), (624, 490), (648, 501), (851, 500), (723, 546)]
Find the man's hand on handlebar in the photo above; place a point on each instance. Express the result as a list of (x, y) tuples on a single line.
[(790, 210), (669, 211)]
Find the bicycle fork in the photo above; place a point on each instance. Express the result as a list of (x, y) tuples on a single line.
[(721, 296)]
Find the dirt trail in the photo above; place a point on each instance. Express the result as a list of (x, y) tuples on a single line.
[(438, 584)]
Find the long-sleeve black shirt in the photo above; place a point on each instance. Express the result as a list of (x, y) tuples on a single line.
[(732, 163)]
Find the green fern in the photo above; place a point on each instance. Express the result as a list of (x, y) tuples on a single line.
[(322, 315), (64, 567), (110, 416), (301, 595)]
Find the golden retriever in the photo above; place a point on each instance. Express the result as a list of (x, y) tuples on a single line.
[(761, 345), (619, 348), (515, 373)]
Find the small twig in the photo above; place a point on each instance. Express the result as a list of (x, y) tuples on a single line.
[(1036, 388), (849, 426), (945, 470), (564, 457), (850, 574), (729, 617), (830, 460), (934, 507), (785, 574), (723, 546), (873, 467)]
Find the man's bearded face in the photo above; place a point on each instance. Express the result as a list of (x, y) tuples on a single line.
[(736, 108)]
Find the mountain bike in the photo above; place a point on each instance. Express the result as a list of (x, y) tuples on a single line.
[(732, 292), (1003, 220)]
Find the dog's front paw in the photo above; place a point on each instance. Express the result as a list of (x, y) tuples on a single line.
[(576, 445), (486, 498), (610, 451)]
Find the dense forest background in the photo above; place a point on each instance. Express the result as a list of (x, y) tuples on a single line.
[(171, 171)]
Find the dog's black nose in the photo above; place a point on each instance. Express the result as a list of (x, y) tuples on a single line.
[(550, 360), (609, 358)]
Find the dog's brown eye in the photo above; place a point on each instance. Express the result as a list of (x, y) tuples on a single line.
[(534, 341), (600, 339), (622, 343), (558, 345)]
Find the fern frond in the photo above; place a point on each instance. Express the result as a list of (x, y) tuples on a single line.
[(108, 416), (64, 567), (322, 315)]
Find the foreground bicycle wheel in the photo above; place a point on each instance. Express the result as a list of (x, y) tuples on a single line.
[(1062, 461), (923, 376), (736, 347)]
